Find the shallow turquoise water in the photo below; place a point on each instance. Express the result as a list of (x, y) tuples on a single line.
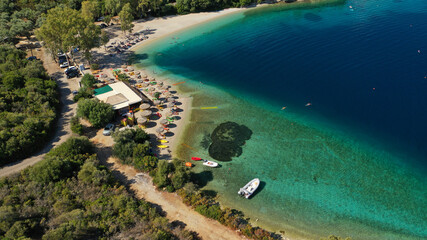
[(334, 168)]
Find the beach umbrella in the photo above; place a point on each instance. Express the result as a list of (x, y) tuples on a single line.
[(160, 130), (160, 84), (157, 102), (164, 122), (144, 106), (145, 113), (169, 105), (151, 89), (141, 120), (171, 99)]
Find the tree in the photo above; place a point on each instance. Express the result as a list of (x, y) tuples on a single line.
[(65, 28), (104, 38), (90, 10), (107, 19), (161, 175), (113, 6), (60, 29), (126, 18), (89, 38), (83, 93), (88, 80), (96, 112)]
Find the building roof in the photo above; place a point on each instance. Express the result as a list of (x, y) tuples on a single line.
[(120, 96), (102, 90)]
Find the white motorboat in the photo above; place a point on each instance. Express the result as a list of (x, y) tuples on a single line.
[(249, 188), (210, 163)]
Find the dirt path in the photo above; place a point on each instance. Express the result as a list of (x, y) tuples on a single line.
[(68, 108), (169, 202)]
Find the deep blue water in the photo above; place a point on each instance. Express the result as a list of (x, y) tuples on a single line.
[(344, 165), (359, 68)]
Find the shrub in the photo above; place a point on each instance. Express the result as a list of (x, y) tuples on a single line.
[(133, 143), (212, 211), (83, 93), (96, 112), (88, 80), (146, 163), (94, 66), (76, 127), (122, 77), (124, 151)]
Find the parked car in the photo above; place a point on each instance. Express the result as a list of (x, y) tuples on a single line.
[(71, 72), (108, 129), (69, 69), (63, 61), (31, 58)]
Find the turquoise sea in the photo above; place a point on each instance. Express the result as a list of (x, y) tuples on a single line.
[(353, 163)]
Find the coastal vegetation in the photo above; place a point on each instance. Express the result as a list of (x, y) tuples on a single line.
[(69, 195), (28, 102), (61, 21), (132, 148), (204, 203), (96, 112)]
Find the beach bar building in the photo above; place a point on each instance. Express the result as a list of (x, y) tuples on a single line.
[(121, 96)]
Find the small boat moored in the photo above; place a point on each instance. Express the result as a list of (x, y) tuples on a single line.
[(249, 188), (209, 163), (195, 159)]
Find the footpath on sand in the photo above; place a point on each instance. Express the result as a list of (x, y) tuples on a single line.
[(169, 202), (62, 128)]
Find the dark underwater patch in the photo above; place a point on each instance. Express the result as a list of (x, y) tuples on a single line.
[(227, 141)]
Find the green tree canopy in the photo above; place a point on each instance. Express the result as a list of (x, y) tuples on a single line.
[(96, 112), (126, 18), (88, 80), (64, 28)]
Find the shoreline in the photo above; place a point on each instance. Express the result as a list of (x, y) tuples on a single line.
[(162, 27), (165, 27)]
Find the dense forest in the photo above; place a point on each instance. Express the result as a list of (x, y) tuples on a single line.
[(69, 195), (28, 101)]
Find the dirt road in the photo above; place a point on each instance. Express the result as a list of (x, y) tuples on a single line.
[(169, 202)]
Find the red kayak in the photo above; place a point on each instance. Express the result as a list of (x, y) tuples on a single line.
[(196, 159)]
